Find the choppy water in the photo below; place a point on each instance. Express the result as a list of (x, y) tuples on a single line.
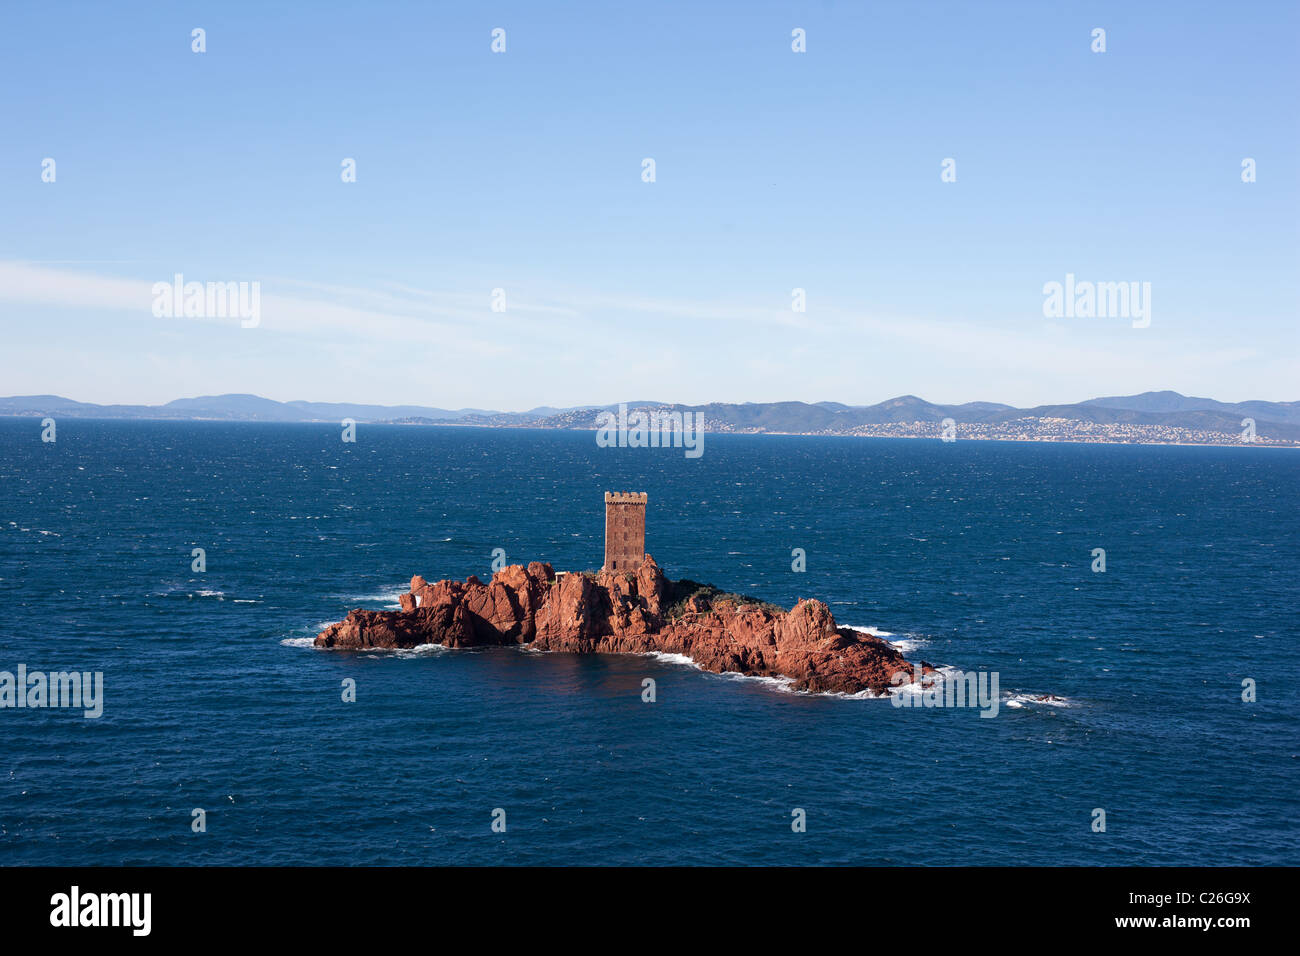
[(977, 555)]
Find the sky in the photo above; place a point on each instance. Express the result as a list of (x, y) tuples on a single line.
[(522, 171)]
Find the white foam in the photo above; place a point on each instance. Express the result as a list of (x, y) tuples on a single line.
[(906, 644), (915, 688), (55, 534), (390, 599), (1019, 700), (419, 650), (873, 631), (665, 658), (865, 694), (783, 685), (776, 683)]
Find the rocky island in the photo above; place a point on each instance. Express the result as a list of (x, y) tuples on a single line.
[(630, 612), (631, 607)]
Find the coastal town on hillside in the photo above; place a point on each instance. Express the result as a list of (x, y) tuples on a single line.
[(1068, 430), (1028, 428)]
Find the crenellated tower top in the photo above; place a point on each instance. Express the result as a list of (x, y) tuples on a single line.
[(626, 497), (624, 529)]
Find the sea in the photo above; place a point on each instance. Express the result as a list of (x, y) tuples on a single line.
[(226, 738)]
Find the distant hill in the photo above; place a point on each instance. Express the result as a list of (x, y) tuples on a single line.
[(1174, 402), (254, 408), (228, 408), (1165, 408)]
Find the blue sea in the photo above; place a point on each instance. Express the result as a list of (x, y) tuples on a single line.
[(971, 555)]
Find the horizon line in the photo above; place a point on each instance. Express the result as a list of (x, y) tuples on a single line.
[(468, 409)]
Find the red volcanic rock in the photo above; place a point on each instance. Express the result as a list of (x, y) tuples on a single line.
[(614, 612)]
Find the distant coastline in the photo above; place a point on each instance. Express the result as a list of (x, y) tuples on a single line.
[(1223, 442), (1151, 418)]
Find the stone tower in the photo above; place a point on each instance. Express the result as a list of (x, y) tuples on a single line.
[(624, 530)]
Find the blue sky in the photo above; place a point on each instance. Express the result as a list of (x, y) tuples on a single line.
[(774, 171)]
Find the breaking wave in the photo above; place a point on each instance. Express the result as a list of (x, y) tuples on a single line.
[(906, 644)]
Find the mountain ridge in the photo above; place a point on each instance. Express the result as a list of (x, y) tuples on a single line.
[(1154, 408)]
